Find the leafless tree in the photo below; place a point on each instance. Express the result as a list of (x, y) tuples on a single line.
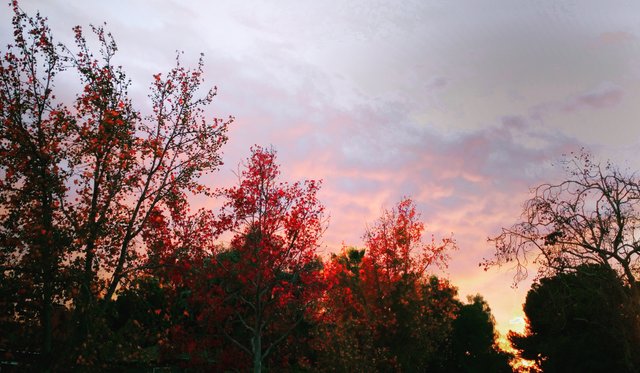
[(593, 216)]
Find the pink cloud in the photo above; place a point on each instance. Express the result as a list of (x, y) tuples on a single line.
[(469, 184), (371, 158)]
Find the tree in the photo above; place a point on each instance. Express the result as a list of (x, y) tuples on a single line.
[(78, 186), (591, 217), (345, 334), (396, 247), (181, 251), (137, 324), (407, 305), (380, 310), (272, 276), (31, 131), (474, 347), (580, 321)]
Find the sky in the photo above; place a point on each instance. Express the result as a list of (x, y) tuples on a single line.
[(460, 105)]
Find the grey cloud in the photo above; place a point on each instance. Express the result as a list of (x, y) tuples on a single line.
[(437, 83), (605, 95)]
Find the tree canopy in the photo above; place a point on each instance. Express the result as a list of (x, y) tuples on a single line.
[(580, 321), (474, 340)]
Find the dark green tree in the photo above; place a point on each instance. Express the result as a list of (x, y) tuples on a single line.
[(580, 321), (474, 347)]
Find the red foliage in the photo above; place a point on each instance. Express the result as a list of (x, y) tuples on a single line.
[(248, 298), (272, 271), (79, 183), (373, 294)]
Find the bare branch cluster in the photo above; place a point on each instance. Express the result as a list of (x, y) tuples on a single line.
[(591, 217)]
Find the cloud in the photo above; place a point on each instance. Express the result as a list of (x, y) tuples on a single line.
[(437, 83), (614, 37), (369, 157), (604, 96), (469, 183)]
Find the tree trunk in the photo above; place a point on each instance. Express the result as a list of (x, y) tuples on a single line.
[(48, 251), (46, 322), (257, 352)]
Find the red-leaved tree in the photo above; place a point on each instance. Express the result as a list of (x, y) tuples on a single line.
[(380, 310), (271, 271), (79, 183), (33, 242)]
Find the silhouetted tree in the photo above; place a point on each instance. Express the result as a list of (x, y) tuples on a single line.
[(580, 321), (474, 346), (591, 217)]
